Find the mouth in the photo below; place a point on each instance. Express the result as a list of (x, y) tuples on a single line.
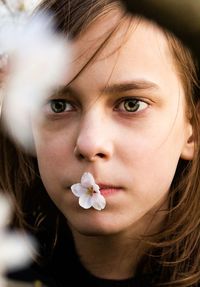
[(109, 189)]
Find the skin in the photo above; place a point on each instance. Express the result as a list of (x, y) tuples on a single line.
[(136, 151)]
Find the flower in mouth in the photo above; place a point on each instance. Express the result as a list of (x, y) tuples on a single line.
[(89, 193)]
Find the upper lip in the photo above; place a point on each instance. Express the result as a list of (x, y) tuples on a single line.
[(105, 186), (108, 186)]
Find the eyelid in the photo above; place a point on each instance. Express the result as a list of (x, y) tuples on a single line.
[(125, 98), (63, 100), (49, 110), (121, 100)]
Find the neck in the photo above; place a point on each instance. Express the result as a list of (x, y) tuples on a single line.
[(109, 257), (116, 256)]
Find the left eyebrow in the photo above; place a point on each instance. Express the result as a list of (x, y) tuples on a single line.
[(131, 85)]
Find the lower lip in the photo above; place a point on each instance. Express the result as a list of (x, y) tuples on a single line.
[(109, 191)]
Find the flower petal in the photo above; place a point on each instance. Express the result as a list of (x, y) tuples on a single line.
[(87, 180), (85, 201), (78, 189), (98, 201), (16, 250), (31, 43), (96, 188)]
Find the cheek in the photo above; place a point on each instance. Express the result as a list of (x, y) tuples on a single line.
[(152, 160), (52, 147), (53, 156)]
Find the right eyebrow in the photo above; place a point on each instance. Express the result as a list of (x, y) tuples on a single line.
[(64, 91)]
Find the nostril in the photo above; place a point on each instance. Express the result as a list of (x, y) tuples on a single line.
[(85, 155), (101, 155), (81, 156)]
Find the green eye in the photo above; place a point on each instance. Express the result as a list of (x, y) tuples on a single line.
[(60, 106), (132, 105)]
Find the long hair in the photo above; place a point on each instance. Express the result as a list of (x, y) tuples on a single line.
[(174, 252)]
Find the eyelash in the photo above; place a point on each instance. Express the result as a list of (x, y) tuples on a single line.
[(63, 103), (137, 105)]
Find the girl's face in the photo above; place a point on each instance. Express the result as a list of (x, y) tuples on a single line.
[(124, 120)]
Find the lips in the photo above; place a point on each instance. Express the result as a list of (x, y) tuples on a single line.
[(109, 189)]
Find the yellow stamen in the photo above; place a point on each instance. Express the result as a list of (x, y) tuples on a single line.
[(90, 190), (21, 7)]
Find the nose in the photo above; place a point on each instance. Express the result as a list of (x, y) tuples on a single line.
[(94, 139)]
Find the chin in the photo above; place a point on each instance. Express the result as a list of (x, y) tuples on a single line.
[(91, 232), (94, 224), (94, 231)]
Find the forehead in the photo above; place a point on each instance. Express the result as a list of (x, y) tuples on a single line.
[(131, 47)]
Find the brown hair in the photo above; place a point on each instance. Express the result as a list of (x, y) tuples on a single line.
[(174, 256)]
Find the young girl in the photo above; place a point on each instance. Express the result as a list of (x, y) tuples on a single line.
[(127, 115)]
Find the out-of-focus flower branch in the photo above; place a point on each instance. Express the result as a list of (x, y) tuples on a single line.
[(16, 249), (33, 63), (15, 8), (35, 59)]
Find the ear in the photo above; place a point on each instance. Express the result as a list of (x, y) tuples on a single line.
[(188, 148)]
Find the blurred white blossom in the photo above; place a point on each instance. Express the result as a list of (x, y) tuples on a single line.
[(38, 63), (22, 6), (16, 11), (16, 249)]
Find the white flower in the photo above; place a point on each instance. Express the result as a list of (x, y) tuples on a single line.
[(89, 193), (38, 60), (16, 249), (15, 12), (26, 6), (16, 7)]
